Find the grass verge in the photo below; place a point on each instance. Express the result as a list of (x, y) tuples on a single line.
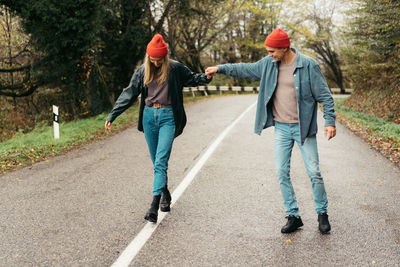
[(381, 133)]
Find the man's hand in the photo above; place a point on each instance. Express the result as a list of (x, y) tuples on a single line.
[(210, 71), (108, 125), (330, 132)]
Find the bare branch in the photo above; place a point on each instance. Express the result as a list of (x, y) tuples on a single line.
[(160, 22)]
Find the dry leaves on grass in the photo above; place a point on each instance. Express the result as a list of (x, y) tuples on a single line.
[(387, 147)]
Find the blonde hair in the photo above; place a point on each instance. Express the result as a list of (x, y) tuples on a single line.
[(149, 70)]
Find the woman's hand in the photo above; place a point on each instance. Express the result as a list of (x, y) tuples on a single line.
[(107, 125)]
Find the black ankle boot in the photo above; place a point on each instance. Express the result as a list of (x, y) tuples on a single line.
[(152, 214), (292, 224), (165, 204), (324, 226)]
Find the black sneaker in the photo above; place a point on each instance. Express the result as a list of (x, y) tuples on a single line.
[(292, 224), (324, 226)]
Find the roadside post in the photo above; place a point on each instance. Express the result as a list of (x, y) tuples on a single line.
[(55, 123)]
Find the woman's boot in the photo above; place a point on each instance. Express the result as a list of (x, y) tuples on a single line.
[(152, 214), (165, 204)]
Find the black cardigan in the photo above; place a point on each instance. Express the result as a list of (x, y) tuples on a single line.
[(179, 77)]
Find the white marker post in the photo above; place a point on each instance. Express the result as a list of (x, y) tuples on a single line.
[(55, 123)]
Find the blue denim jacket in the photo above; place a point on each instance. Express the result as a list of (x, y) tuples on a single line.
[(309, 83)]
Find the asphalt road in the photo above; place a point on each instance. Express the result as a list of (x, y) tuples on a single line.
[(84, 208)]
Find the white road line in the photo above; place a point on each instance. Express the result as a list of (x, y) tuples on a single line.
[(138, 242)]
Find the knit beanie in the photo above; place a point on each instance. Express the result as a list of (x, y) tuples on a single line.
[(157, 47), (277, 38)]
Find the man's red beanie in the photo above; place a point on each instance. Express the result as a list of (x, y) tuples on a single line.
[(277, 38), (157, 47)]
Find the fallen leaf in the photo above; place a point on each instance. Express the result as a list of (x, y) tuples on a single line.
[(373, 262), (387, 220), (288, 241)]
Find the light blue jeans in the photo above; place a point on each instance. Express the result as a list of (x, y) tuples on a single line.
[(284, 137), (159, 130)]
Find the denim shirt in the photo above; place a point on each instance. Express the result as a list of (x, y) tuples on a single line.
[(309, 83)]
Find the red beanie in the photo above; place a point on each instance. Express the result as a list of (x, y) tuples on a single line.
[(277, 38), (157, 47)]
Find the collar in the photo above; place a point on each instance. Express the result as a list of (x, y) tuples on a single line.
[(299, 59)]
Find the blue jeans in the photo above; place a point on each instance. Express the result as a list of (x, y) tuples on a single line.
[(284, 137), (159, 130)]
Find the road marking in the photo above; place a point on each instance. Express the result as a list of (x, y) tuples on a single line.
[(138, 242)]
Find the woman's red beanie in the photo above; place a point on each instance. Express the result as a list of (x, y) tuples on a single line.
[(277, 38), (157, 47)]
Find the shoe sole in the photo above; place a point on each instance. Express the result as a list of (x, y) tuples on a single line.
[(324, 232), (150, 219), (165, 209), (288, 232)]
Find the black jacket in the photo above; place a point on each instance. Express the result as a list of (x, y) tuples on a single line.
[(179, 77)]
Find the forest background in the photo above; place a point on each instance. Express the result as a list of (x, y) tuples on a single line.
[(80, 54)]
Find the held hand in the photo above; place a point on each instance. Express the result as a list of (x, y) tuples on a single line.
[(210, 71), (330, 132), (108, 125)]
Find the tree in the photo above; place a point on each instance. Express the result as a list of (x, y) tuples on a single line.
[(321, 41), (254, 22), (65, 33), (124, 34), (194, 26), (374, 51), (16, 58)]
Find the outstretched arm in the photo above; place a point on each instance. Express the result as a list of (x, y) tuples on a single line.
[(194, 79), (239, 70), (126, 98)]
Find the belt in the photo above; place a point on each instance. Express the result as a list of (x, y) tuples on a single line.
[(156, 105)]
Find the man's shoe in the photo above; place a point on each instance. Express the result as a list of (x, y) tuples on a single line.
[(292, 224), (165, 204), (324, 226), (152, 214)]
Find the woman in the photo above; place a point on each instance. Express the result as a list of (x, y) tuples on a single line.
[(162, 117)]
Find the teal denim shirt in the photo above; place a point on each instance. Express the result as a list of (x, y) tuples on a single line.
[(309, 83)]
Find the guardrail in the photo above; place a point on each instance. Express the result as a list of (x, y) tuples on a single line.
[(237, 89), (220, 89)]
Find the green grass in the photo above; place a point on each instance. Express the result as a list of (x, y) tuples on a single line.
[(39, 144), (382, 127)]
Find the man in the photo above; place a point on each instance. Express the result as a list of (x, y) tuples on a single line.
[(291, 86)]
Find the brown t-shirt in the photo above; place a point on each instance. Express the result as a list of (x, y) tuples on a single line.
[(157, 93), (284, 100)]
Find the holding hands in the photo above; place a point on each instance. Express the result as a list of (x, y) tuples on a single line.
[(210, 71)]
